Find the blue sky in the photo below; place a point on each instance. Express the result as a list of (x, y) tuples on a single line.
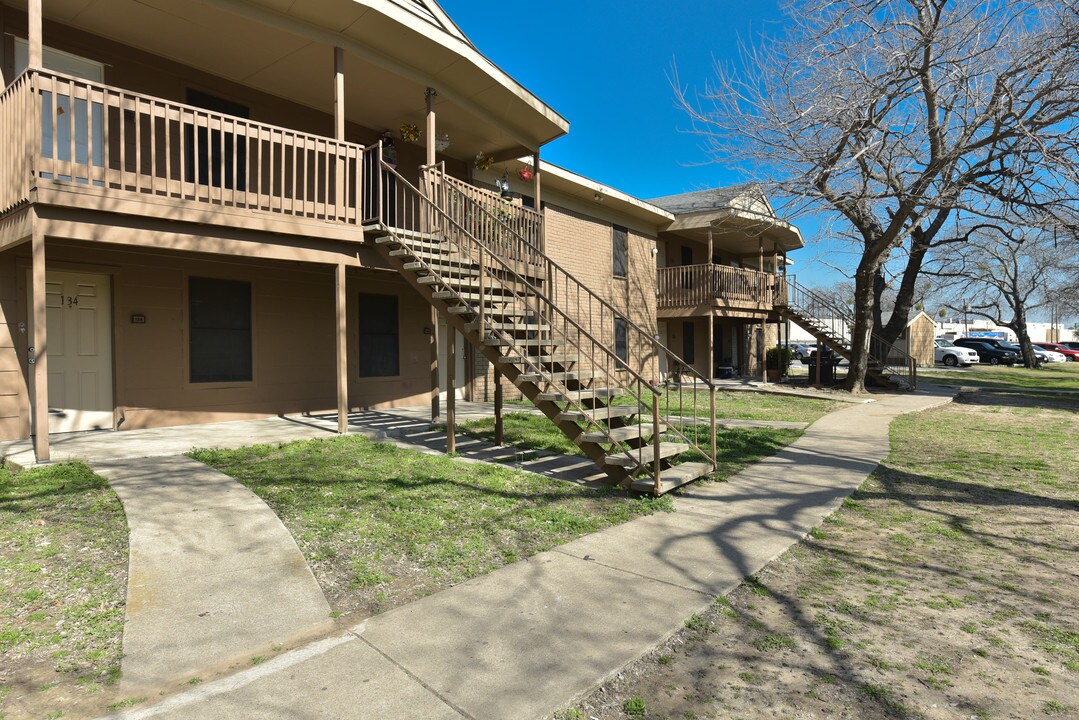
[(605, 65)]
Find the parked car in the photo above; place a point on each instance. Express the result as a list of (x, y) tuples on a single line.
[(1071, 354), (988, 353), (1040, 355), (1070, 344), (801, 351), (947, 352)]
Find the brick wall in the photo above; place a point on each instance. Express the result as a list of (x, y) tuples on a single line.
[(583, 246)]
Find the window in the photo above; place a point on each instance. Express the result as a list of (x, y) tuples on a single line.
[(220, 330), (216, 151), (689, 343), (621, 339), (621, 251), (380, 336)]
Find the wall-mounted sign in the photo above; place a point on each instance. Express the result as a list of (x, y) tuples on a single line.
[(138, 319)]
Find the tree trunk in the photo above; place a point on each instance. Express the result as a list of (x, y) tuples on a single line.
[(904, 300), (1030, 360), (862, 332)]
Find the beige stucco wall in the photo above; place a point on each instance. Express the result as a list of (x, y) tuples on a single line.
[(293, 326)]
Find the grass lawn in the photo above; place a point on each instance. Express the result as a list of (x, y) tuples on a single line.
[(743, 405), (735, 448), (944, 588), (1057, 376), (63, 579), (381, 526)]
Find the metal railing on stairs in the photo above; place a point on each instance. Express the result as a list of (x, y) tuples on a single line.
[(613, 355), (836, 325)]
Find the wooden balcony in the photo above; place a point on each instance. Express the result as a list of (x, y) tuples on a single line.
[(70, 142), (716, 290)]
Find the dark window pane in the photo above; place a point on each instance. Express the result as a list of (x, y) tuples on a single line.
[(621, 251), (621, 339), (380, 354), (689, 343), (220, 330)]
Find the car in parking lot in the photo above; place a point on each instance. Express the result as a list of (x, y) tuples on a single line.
[(1040, 355), (1071, 354), (987, 352), (952, 355), (801, 351)]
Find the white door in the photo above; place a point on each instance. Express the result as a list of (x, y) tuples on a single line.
[(78, 312)]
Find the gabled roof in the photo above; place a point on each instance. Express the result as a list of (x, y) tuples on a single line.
[(705, 200), (434, 14)]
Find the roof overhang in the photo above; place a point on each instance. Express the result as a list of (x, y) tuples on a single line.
[(285, 48), (591, 192), (739, 231)]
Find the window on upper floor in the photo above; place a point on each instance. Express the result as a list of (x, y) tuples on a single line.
[(620, 251)]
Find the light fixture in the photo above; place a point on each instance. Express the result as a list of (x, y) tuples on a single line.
[(598, 197), (442, 141)]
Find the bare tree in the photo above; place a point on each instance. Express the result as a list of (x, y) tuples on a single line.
[(899, 117), (1005, 279)]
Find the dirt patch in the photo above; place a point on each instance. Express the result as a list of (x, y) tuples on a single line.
[(944, 588)]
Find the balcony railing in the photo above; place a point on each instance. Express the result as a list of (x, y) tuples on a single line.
[(68, 131), (694, 285)]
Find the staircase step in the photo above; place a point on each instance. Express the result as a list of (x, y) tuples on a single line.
[(510, 327), (396, 235), (556, 376), (629, 432), (560, 358), (501, 312), (444, 270), (598, 414), (525, 342), (635, 458), (672, 477), (491, 295), (578, 395)]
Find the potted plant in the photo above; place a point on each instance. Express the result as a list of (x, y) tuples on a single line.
[(776, 362)]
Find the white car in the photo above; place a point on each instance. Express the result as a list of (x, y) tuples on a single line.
[(952, 355), (1050, 356)]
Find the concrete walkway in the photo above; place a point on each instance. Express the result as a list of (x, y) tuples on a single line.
[(214, 577), (530, 638)]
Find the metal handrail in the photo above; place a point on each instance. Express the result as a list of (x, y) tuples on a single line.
[(556, 273), (430, 217), (839, 323)]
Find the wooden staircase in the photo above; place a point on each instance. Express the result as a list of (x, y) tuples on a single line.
[(505, 297), (888, 365)]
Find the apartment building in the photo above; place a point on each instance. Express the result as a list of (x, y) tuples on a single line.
[(227, 209)]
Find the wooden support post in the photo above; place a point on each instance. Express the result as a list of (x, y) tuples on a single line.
[(711, 348), (451, 390), (435, 405), (33, 35), (338, 93), (499, 434), (342, 350), (536, 189), (39, 369), (5, 78), (820, 359), (432, 126), (762, 349)]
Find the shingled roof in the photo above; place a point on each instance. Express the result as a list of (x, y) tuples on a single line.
[(704, 200)]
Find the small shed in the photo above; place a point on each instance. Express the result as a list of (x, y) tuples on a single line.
[(916, 339)]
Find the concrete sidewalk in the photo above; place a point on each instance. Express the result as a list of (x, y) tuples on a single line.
[(214, 576), (528, 639)]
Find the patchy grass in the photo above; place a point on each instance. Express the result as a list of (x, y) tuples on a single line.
[(735, 449), (63, 579), (1055, 376), (742, 405), (947, 581), (381, 526)]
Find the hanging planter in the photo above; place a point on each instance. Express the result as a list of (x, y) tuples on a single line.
[(525, 174), (484, 161), (410, 132)]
